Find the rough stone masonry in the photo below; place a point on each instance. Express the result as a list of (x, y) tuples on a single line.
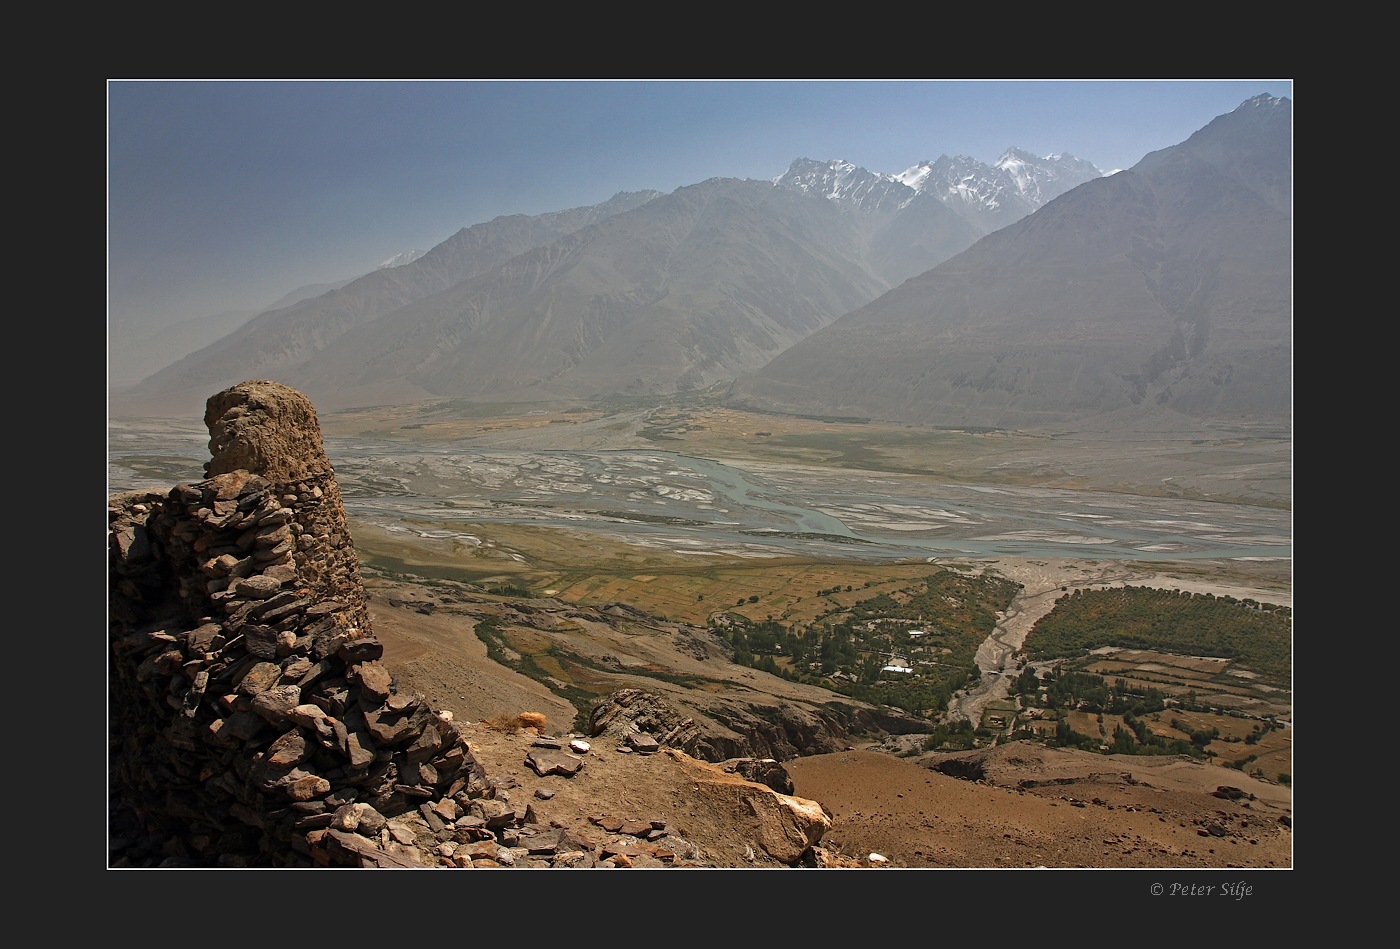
[(251, 720)]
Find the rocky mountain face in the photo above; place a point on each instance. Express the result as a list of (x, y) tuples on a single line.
[(646, 294), (1164, 291), (986, 197)]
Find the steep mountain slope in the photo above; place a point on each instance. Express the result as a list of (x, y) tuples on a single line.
[(1163, 289), (695, 287), (272, 342), (132, 354)]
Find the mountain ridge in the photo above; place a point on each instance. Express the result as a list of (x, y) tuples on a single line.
[(693, 337), (1160, 290)]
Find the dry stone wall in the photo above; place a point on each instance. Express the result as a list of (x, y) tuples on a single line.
[(251, 720)]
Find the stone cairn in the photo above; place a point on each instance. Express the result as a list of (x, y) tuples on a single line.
[(251, 722)]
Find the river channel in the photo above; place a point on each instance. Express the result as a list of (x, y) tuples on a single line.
[(707, 508)]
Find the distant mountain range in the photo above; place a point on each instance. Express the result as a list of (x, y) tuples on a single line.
[(132, 357), (1164, 290), (1027, 292)]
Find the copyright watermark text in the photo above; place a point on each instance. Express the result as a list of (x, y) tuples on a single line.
[(1236, 891)]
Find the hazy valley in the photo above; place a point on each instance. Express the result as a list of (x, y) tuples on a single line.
[(832, 447), (739, 515)]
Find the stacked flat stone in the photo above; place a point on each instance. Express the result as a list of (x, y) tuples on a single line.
[(252, 722)]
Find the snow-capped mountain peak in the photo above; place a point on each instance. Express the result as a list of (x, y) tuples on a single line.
[(1018, 183), (1041, 179), (398, 260), (841, 180), (989, 196)]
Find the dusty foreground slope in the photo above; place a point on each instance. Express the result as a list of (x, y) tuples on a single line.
[(1079, 810), (1094, 812), (1022, 805)]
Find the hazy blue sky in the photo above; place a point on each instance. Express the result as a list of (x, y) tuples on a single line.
[(228, 194)]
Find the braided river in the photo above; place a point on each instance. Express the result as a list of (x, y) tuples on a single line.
[(708, 508)]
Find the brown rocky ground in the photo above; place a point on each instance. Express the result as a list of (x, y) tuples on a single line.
[(1021, 806), (1091, 812), (1041, 807)]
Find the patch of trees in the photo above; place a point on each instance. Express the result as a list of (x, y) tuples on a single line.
[(509, 589), (949, 600), (848, 657), (1258, 637), (950, 736), (1133, 737), (1087, 692), (1067, 737), (755, 641), (1260, 730)]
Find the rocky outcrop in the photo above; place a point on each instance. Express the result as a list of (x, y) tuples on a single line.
[(787, 827), (714, 729), (765, 771)]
